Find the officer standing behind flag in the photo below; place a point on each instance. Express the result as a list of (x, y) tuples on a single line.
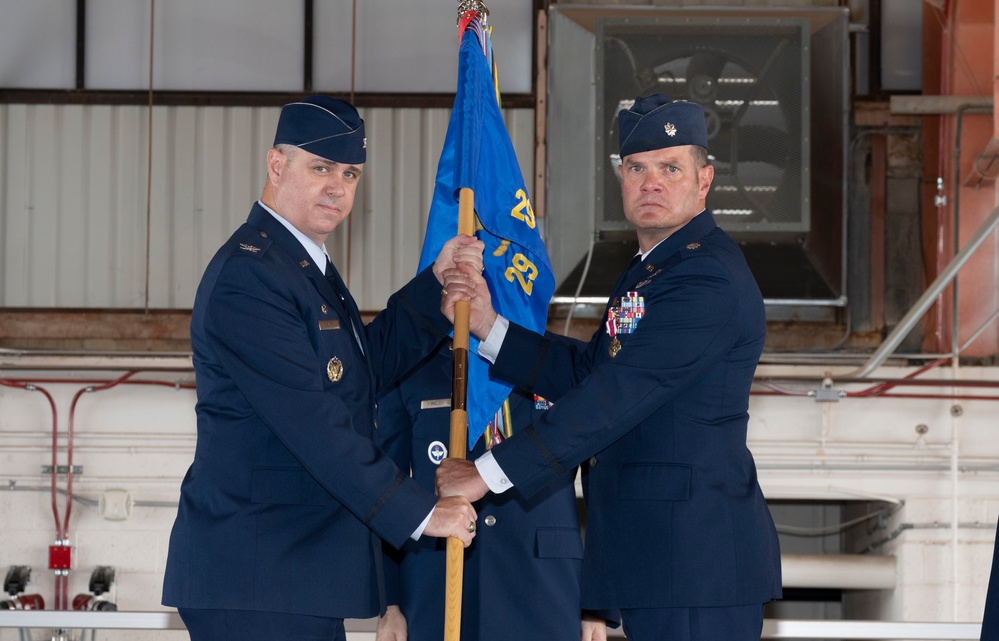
[(521, 575), (679, 536), (275, 536)]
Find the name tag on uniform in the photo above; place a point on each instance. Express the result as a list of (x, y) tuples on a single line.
[(328, 324), (430, 404)]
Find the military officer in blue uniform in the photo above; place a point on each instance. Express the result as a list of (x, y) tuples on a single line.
[(679, 536), (275, 536), (521, 575)]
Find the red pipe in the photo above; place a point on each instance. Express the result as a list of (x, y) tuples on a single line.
[(31, 387), (877, 389), (69, 443), (62, 529), (943, 127), (950, 397)]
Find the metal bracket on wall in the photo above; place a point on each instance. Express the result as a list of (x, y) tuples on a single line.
[(63, 469), (826, 394)]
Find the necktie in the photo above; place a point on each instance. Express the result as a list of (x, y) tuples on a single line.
[(629, 276), (334, 278), (636, 264)]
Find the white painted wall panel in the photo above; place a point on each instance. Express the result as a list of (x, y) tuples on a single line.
[(141, 438), (73, 205)]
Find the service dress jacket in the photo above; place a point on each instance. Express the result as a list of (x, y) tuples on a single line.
[(522, 571), (280, 508), (990, 617), (676, 516)]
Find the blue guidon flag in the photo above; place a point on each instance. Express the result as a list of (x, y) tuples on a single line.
[(478, 155)]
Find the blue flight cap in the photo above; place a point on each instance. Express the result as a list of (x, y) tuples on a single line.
[(656, 122), (323, 126)]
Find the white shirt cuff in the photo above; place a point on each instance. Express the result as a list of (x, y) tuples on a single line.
[(489, 348), (419, 531), (492, 474)]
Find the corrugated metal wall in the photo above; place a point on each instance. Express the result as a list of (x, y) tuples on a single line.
[(73, 199)]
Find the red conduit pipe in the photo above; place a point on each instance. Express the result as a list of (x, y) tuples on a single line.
[(69, 442), (60, 587), (101, 381), (880, 390), (887, 385), (948, 397), (62, 528), (31, 387)]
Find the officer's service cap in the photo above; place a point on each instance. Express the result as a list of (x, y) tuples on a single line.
[(323, 126), (656, 122)]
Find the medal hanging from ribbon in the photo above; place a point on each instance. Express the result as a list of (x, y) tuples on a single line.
[(624, 319), (611, 324)]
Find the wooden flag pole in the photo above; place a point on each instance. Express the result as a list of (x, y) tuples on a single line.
[(459, 427)]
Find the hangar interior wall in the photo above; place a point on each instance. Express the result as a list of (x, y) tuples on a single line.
[(917, 476)]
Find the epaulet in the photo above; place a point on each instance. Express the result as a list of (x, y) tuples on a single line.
[(694, 249), (251, 241), (253, 249)]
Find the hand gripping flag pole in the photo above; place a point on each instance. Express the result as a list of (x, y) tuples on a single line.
[(488, 199), (459, 429), (517, 269), (459, 385)]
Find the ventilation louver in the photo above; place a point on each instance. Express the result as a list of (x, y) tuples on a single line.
[(749, 75)]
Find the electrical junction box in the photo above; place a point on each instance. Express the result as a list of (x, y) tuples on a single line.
[(116, 504), (60, 557)]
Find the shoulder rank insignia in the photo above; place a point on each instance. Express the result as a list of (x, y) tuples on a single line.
[(693, 245), (249, 248)]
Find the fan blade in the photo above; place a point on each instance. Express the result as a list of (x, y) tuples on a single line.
[(702, 75), (722, 198), (751, 143)]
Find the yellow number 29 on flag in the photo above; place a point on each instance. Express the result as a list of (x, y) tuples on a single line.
[(523, 210), (524, 271)]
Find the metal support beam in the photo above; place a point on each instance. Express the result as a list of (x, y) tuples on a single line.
[(928, 298), (935, 105)]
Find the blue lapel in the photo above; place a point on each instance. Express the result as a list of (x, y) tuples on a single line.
[(350, 305), (346, 310), (666, 254)]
